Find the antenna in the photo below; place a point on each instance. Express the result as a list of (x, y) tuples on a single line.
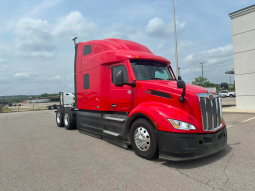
[(74, 40)]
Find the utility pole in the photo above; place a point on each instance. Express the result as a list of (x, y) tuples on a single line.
[(176, 53)]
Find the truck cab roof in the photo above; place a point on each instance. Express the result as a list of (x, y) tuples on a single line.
[(120, 49)]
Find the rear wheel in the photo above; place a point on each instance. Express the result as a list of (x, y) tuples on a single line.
[(143, 139), (59, 118), (69, 123)]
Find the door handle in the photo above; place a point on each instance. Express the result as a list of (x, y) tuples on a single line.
[(113, 105)]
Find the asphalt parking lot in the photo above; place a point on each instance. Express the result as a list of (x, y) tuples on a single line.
[(35, 154)]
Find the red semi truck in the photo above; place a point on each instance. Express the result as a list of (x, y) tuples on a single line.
[(126, 95)]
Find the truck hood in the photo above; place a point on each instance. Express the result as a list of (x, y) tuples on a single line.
[(172, 86)]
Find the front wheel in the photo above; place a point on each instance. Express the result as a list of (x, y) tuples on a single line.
[(143, 139), (231, 95)]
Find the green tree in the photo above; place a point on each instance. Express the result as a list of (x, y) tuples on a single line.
[(201, 81)]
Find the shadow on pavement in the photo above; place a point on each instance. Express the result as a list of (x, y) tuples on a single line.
[(197, 162)]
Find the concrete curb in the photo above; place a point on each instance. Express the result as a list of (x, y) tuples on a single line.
[(235, 111)]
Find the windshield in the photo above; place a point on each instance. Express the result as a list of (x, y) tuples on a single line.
[(150, 70)]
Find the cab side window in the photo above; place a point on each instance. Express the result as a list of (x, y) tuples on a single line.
[(116, 69)]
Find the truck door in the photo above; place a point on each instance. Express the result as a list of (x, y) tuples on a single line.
[(120, 97)]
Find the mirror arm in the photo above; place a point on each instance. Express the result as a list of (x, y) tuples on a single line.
[(181, 99), (132, 84)]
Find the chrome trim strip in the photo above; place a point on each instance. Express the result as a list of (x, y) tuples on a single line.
[(215, 129), (212, 113), (115, 119), (206, 116), (201, 113), (216, 103), (206, 95), (220, 108), (111, 133)]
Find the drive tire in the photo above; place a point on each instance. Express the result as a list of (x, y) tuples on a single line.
[(230, 95), (145, 126), (69, 122), (59, 118)]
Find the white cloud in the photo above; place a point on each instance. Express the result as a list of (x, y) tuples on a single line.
[(55, 78), (213, 56), (192, 70), (37, 38), (37, 54), (182, 46), (33, 38), (43, 5), (216, 62), (158, 28), (22, 74), (74, 24), (118, 30), (70, 77)]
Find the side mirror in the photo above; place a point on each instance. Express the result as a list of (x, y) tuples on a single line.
[(119, 79), (224, 85), (181, 84)]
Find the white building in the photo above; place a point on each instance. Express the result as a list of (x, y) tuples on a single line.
[(243, 31)]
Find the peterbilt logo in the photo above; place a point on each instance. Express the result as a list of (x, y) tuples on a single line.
[(211, 96)]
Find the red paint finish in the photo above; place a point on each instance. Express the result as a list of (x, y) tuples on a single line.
[(103, 95)]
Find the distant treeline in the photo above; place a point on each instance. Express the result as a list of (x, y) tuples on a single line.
[(21, 98)]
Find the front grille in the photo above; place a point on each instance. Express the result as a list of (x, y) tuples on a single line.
[(211, 113)]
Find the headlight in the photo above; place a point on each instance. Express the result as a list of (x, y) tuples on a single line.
[(181, 125)]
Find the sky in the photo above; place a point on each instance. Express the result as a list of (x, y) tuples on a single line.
[(37, 51)]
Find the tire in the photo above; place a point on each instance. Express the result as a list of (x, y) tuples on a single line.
[(69, 123), (230, 95), (59, 118), (148, 148)]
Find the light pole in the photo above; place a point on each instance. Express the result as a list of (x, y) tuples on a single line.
[(176, 54), (230, 83), (202, 74)]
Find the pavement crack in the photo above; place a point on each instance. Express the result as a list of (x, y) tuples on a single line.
[(225, 168), (194, 178), (206, 183)]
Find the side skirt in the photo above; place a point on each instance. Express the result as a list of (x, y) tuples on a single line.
[(90, 133), (103, 125)]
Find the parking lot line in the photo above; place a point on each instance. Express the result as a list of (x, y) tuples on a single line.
[(248, 119), (241, 122)]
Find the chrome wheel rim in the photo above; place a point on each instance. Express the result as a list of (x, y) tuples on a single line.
[(142, 139), (58, 117), (66, 119)]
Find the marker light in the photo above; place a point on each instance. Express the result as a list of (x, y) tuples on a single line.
[(181, 125)]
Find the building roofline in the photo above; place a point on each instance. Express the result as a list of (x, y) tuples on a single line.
[(242, 12)]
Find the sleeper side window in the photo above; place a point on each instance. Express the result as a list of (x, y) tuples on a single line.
[(87, 50), (116, 69), (86, 81)]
